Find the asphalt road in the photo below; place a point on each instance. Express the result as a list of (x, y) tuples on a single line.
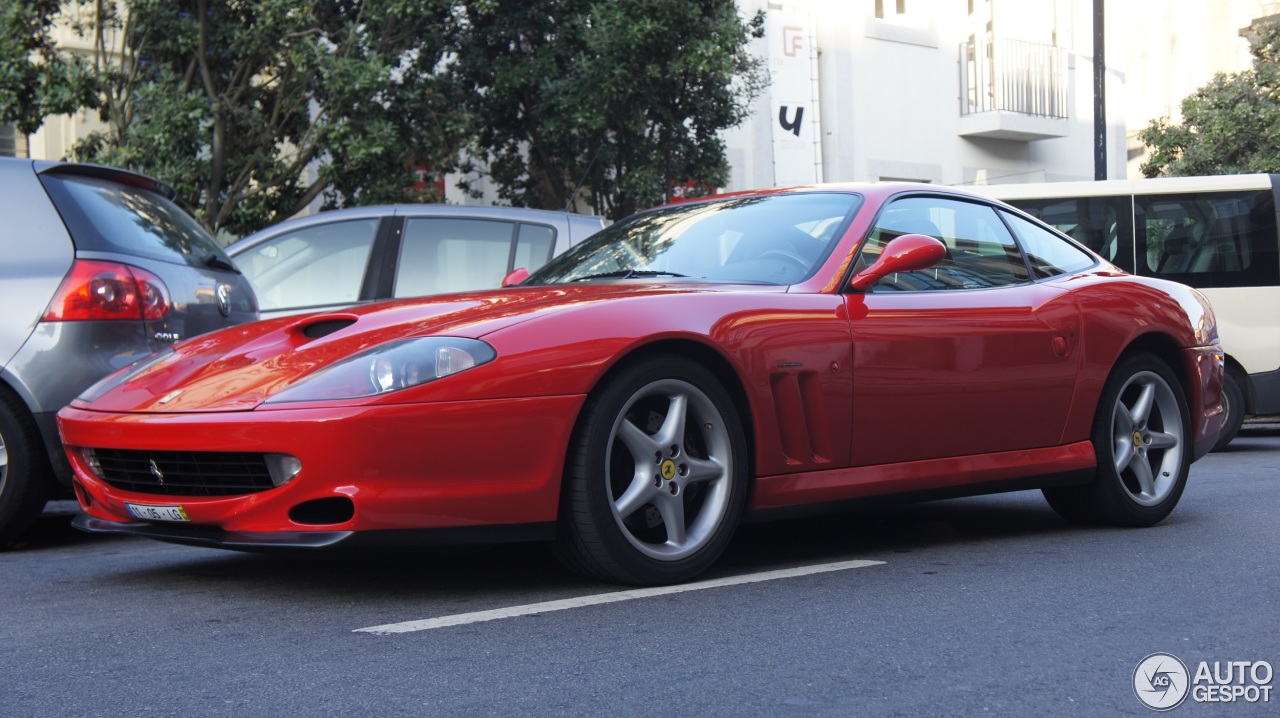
[(982, 606)]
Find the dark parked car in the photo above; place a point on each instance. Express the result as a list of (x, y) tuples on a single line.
[(98, 267), (344, 257)]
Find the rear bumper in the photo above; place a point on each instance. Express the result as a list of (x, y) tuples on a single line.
[(1204, 367)]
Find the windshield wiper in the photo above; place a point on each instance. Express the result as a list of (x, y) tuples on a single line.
[(628, 274), (213, 261)]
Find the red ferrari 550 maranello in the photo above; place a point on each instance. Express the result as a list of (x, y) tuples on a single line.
[(634, 399)]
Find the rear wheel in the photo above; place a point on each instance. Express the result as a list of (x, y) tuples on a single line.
[(1141, 437), (1233, 407), (656, 476), (24, 472)]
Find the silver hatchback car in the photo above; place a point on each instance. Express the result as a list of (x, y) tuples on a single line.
[(98, 268), (343, 257)]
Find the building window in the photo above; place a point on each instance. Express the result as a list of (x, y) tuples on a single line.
[(899, 8), (12, 144)]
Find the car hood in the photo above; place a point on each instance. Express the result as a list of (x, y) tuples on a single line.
[(239, 368)]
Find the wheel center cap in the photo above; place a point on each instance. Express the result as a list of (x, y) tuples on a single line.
[(1137, 438), (668, 469)]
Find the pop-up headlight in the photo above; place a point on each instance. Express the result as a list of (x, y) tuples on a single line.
[(390, 367)]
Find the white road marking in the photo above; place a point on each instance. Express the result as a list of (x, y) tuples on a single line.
[(530, 609)]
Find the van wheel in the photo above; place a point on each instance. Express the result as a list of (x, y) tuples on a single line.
[(1234, 408), (1141, 437), (24, 471)]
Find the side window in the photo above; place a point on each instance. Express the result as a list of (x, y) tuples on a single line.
[(315, 266), (439, 255), (533, 246), (1048, 254), (980, 251), (1103, 224), (1209, 239)]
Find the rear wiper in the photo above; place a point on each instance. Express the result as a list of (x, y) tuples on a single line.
[(629, 273), (213, 261)]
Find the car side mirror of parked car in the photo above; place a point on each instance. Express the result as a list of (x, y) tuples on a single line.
[(908, 253), (517, 275)]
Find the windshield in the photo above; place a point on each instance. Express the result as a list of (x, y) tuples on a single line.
[(775, 239)]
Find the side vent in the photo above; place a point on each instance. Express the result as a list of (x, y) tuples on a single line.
[(803, 426), (325, 327)]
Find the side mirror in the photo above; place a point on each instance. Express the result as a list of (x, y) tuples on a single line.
[(908, 253), (518, 275)]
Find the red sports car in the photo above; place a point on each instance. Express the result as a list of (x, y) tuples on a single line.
[(747, 355)]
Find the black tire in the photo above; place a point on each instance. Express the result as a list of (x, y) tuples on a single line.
[(24, 469), (1143, 457), (635, 469), (1233, 406)]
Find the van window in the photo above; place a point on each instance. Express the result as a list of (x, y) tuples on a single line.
[(1208, 239)]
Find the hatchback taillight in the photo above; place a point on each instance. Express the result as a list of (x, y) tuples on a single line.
[(106, 290)]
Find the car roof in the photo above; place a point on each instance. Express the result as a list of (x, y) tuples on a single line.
[(877, 190), (515, 214)]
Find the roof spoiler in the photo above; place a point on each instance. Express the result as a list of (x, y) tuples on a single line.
[(114, 174)]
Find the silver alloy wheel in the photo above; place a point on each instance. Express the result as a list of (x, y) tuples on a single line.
[(1148, 437), (672, 475)]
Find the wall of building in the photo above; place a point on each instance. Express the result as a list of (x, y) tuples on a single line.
[(890, 94)]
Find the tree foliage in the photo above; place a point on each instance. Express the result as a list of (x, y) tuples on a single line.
[(252, 109), (625, 98), (36, 80), (1230, 126)]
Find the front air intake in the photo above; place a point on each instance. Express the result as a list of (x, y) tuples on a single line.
[(185, 473), (323, 512)]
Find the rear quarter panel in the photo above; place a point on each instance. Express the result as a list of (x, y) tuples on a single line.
[(1119, 311), (35, 254)]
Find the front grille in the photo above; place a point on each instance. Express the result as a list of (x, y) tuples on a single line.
[(185, 473)]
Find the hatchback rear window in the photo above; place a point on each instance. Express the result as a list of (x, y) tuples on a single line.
[(105, 216)]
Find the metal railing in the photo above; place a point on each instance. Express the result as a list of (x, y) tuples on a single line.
[(1013, 76)]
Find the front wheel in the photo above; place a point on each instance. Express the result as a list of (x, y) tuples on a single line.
[(656, 477), (1141, 437)]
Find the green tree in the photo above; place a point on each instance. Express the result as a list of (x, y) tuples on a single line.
[(616, 101), (1230, 126), (252, 109), (35, 79)]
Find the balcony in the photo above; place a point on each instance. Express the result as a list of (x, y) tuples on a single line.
[(1012, 90)]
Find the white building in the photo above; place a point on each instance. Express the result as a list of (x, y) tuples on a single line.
[(940, 91)]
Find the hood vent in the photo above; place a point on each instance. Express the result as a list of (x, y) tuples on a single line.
[(325, 327)]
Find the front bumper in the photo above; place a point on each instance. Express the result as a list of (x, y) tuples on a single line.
[(216, 538), (416, 466)]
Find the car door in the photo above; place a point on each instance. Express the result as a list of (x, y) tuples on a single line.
[(969, 357)]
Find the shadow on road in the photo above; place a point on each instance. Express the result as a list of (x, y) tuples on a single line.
[(530, 569), (53, 531)]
